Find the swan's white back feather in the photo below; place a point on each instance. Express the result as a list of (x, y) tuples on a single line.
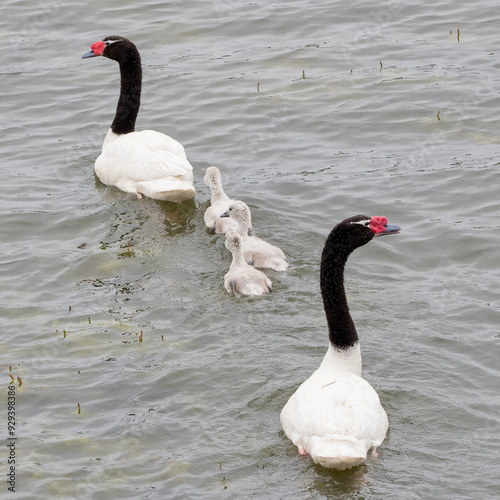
[(262, 254), (247, 282), (146, 162), (336, 415)]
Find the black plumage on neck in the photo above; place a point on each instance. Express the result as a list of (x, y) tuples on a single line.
[(341, 242), (129, 59)]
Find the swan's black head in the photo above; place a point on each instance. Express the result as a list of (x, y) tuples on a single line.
[(357, 231), (113, 47)]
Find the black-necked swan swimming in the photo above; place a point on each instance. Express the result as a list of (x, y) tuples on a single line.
[(258, 253), (335, 416), (144, 163), (242, 277), (219, 203)]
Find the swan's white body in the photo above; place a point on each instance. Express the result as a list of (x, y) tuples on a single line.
[(241, 277), (219, 203), (257, 252), (146, 163), (335, 416)]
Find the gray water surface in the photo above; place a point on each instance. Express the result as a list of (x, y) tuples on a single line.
[(314, 112)]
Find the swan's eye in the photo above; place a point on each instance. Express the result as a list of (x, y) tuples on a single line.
[(367, 224), (107, 43)]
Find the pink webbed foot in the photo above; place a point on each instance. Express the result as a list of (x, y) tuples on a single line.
[(302, 451), (139, 196)]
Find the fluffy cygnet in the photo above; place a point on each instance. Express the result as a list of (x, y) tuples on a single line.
[(257, 252), (241, 277), (219, 203)]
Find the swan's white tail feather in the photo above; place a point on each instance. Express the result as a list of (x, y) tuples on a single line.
[(338, 452), (170, 189)]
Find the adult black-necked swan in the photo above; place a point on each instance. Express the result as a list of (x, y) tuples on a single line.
[(335, 416), (144, 163)]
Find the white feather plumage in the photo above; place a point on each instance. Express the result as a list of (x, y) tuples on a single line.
[(146, 163), (335, 415)]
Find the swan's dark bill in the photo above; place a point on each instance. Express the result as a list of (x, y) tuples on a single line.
[(90, 53), (390, 229)]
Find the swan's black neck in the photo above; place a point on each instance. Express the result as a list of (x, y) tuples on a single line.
[(341, 329), (130, 91), (341, 242)]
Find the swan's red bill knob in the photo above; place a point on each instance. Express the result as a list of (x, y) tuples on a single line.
[(96, 49), (380, 227)]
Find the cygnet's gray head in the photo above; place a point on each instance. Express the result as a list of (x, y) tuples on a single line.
[(240, 212), (233, 241), (212, 177)]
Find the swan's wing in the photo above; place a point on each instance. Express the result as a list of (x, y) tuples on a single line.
[(347, 408), (161, 142), (263, 254), (142, 156)]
